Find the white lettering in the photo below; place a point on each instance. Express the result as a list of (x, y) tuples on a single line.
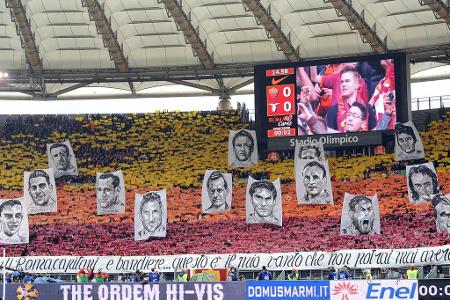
[(87, 290), (65, 289), (127, 293), (171, 292), (137, 292), (114, 292), (77, 292), (218, 291), (199, 290), (151, 292), (103, 292)]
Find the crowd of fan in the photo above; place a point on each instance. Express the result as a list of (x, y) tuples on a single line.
[(173, 150)]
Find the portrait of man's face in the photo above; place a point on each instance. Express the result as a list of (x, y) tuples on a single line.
[(242, 148), (349, 84), (151, 215), (61, 158), (11, 217), (443, 217), (314, 180), (107, 194), (423, 185), (263, 202), (308, 153), (406, 142), (363, 216), (40, 190), (217, 192), (354, 119)]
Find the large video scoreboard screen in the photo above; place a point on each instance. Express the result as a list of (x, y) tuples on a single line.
[(341, 102)]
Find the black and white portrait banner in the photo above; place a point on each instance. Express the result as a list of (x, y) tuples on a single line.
[(312, 151), (39, 190), (62, 159), (242, 148), (313, 182), (150, 215), (263, 202), (422, 183), (360, 215), (217, 192), (318, 260), (110, 189), (14, 221), (408, 144), (441, 209)]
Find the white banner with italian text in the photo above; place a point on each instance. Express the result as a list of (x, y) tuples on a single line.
[(363, 258)]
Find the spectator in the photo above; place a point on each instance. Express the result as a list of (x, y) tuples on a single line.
[(330, 83), (233, 275), (153, 276), (264, 274), (332, 274), (8, 278), (28, 278), (293, 275), (182, 276), (367, 274), (412, 273), (383, 98), (17, 276), (439, 271), (136, 277), (100, 276), (82, 276), (349, 86), (344, 273)]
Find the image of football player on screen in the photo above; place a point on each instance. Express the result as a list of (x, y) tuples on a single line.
[(346, 97)]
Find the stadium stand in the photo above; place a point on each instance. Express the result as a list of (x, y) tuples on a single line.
[(172, 150)]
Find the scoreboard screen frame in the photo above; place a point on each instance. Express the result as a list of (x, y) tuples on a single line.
[(283, 76)]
